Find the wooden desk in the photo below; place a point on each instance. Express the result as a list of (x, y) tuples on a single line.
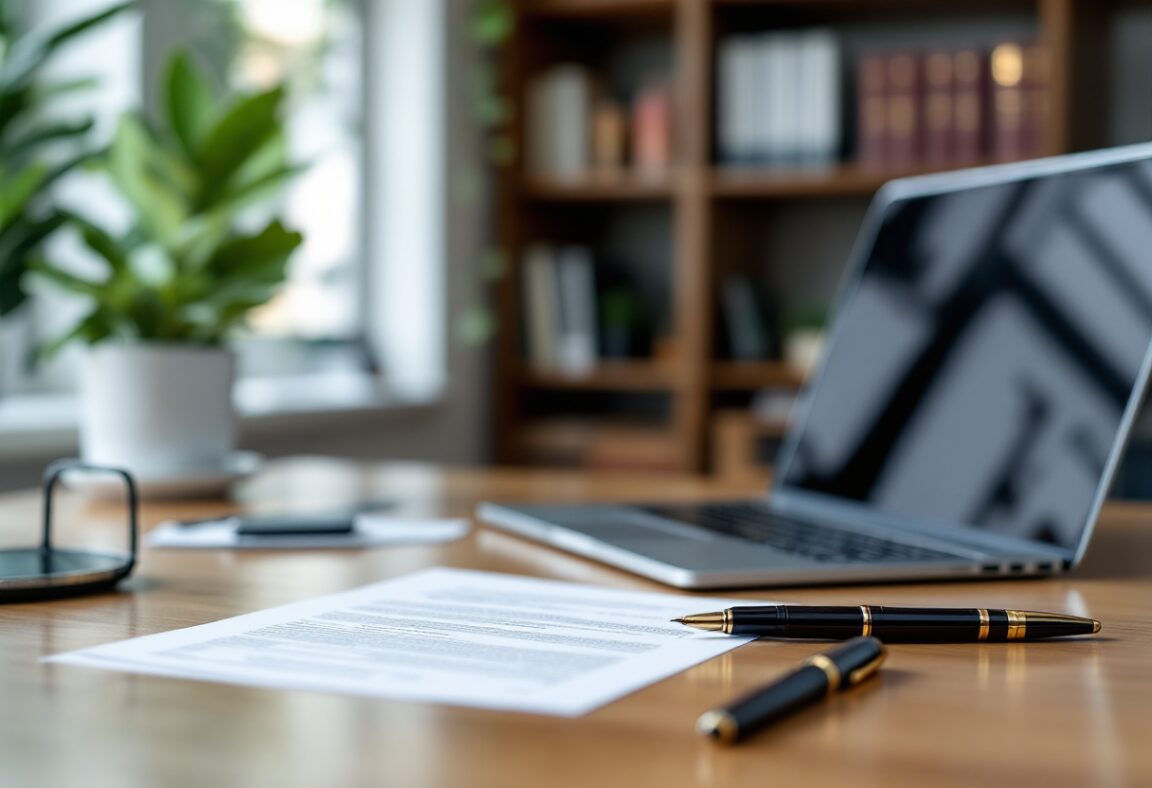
[(1058, 713)]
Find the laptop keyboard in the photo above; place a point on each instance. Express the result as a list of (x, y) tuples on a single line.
[(820, 543)]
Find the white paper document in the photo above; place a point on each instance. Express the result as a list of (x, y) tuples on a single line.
[(371, 530), (444, 636)]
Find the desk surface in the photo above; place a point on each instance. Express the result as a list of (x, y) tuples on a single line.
[(1056, 713)]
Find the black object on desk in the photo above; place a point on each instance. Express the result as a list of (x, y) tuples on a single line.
[(293, 524), (818, 677), (891, 624), (47, 571)]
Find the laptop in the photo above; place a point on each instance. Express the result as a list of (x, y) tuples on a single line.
[(987, 357)]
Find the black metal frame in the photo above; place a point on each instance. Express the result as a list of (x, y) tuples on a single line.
[(55, 584)]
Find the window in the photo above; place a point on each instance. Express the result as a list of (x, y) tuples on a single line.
[(366, 290)]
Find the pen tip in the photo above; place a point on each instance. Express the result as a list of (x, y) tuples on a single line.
[(677, 621)]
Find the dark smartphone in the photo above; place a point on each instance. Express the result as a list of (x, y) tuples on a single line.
[(295, 525)]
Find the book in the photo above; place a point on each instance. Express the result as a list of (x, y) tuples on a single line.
[(1007, 68), (744, 322), (1019, 73), (652, 131), (779, 101), (541, 307), (777, 138), (578, 341), (871, 109), (970, 116), (939, 85), (1035, 91), (819, 120), (609, 137), (902, 114), (560, 107)]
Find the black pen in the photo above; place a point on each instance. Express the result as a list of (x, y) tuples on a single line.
[(818, 677), (891, 624)]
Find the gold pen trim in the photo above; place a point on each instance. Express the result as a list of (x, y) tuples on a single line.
[(864, 671), (1017, 624), (984, 625), (728, 621), (830, 670), (866, 625), (720, 725)]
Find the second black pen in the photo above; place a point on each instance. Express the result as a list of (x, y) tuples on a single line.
[(891, 624)]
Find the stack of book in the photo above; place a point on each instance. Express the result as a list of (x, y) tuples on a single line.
[(560, 314), (952, 107), (576, 129), (779, 99)]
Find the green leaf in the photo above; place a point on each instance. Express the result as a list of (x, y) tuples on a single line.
[(12, 293), (103, 244), (258, 189), (131, 163), (36, 137), (241, 132), (188, 102), (18, 243), (16, 101), (18, 190), (43, 92), (259, 259), (67, 281), (30, 52), (200, 238)]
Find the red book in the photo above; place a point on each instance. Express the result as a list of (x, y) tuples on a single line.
[(939, 123), (871, 104), (969, 106), (903, 110), (1034, 98)]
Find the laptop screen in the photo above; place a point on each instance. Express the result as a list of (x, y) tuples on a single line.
[(982, 361)]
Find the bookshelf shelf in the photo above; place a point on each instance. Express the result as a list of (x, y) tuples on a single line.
[(749, 375), (579, 9), (841, 181), (606, 376), (678, 243), (625, 188)]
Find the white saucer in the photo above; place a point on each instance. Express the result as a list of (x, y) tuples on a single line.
[(199, 483)]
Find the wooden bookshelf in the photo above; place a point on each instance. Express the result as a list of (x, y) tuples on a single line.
[(840, 181), (598, 189), (605, 376), (715, 214), (751, 375), (594, 9)]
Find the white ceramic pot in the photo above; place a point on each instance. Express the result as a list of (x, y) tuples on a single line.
[(159, 410)]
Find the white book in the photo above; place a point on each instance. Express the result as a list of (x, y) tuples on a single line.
[(541, 307), (578, 344), (570, 121), (820, 107), (740, 103), (780, 55)]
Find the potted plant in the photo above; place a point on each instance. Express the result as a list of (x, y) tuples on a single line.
[(804, 337), (157, 378)]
